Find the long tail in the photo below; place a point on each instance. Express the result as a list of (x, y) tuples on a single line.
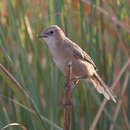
[(102, 87)]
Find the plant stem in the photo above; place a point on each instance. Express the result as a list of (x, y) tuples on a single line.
[(67, 99)]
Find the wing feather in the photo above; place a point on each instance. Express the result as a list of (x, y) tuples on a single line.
[(78, 52)]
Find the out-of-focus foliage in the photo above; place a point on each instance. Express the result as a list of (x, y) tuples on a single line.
[(100, 27)]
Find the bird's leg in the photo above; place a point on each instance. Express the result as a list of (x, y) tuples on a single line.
[(66, 88), (75, 81)]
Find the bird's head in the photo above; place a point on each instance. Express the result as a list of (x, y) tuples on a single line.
[(51, 34)]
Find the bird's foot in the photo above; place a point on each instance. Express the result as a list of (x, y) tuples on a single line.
[(68, 88), (66, 104), (76, 80), (73, 83)]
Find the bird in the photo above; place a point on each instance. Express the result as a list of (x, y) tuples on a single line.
[(64, 51)]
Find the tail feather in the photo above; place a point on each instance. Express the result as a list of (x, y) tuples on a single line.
[(102, 87)]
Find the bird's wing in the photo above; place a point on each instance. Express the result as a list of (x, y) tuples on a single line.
[(79, 53)]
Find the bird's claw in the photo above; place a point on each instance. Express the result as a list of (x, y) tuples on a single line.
[(68, 88), (65, 104)]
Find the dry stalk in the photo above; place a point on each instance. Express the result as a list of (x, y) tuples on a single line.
[(93, 125), (125, 118), (17, 84), (67, 98), (14, 81), (112, 17), (120, 101)]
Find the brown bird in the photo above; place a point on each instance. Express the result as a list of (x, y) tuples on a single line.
[(65, 51)]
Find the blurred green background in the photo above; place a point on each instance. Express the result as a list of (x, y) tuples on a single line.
[(100, 27)]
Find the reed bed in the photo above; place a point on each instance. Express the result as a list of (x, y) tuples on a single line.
[(31, 87)]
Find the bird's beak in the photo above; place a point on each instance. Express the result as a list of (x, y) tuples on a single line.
[(42, 35)]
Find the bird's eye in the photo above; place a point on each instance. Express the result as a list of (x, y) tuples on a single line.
[(51, 32)]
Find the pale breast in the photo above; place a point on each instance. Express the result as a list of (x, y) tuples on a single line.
[(60, 56), (60, 63)]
